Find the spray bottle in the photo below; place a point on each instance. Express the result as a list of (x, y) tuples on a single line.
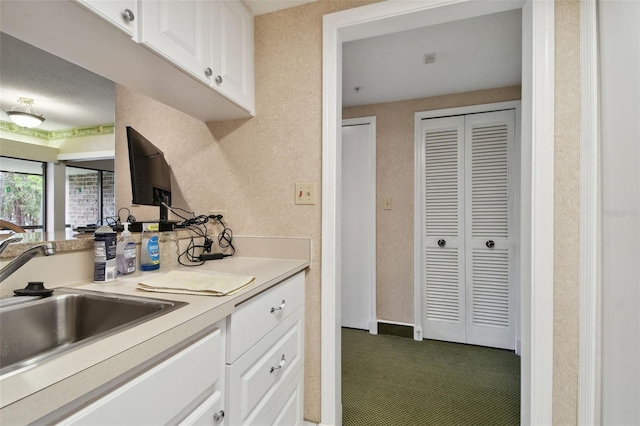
[(126, 252)]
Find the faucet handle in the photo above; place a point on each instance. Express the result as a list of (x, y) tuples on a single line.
[(5, 243)]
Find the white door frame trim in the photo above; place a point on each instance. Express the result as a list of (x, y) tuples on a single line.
[(418, 213), (538, 136), (589, 359), (370, 214)]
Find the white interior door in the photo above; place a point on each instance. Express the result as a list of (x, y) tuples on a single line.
[(358, 225), (489, 240)]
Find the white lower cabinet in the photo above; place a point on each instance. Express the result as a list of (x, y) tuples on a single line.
[(258, 379), (248, 370), (165, 394)]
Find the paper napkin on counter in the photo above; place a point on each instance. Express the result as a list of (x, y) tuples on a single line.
[(200, 283)]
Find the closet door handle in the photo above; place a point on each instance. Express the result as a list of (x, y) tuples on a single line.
[(490, 244), (442, 243), (279, 308)]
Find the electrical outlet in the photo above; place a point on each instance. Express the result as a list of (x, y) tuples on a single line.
[(305, 193), (222, 213)]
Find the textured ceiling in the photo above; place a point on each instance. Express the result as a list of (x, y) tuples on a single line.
[(471, 54), (66, 95)]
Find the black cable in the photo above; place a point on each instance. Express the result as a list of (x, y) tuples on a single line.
[(197, 225), (225, 238)]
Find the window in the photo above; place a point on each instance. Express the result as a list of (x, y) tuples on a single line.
[(90, 196), (23, 193)]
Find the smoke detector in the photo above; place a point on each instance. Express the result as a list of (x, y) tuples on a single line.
[(429, 58)]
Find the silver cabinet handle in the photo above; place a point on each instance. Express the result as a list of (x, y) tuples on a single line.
[(128, 15), (283, 361), (208, 72), (279, 308), (219, 79), (219, 416)]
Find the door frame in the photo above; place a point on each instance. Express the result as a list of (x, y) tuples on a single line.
[(521, 193), (370, 214), (538, 213)]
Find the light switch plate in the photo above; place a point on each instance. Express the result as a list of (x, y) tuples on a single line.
[(305, 193)]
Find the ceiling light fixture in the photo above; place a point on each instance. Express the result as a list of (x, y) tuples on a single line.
[(25, 114)]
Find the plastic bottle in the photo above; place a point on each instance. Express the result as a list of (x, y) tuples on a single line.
[(104, 266), (150, 248), (126, 252)]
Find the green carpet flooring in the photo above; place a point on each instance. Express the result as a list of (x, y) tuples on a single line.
[(390, 380)]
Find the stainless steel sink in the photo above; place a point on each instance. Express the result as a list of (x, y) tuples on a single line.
[(37, 330)]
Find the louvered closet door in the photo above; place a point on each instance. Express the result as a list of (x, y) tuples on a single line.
[(489, 205), (443, 291)]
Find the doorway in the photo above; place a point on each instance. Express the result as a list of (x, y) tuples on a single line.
[(538, 97)]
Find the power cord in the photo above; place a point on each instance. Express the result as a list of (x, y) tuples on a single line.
[(197, 225)]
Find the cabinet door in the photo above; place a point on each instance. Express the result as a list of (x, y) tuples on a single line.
[(210, 413), (179, 31), (122, 13), (232, 51), (163, 394)]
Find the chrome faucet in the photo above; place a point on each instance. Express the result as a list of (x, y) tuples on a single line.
[(5, 243), (46, 249)]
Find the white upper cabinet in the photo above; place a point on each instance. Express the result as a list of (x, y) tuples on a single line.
[(232, 51), (179, 32), (193, 55), (210, 40), (122, 13)]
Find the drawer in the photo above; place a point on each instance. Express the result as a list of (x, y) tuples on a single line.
[(161, 394), (289, 408), (259, 315), (258, 378)]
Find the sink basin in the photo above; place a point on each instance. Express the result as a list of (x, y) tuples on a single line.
[(37, 330)]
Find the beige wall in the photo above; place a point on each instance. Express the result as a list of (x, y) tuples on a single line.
[(395, 180), (566, 212), (249, 167)]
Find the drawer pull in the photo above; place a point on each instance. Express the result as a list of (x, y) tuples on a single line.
[(283, 361), (279, 308), (219, 416)]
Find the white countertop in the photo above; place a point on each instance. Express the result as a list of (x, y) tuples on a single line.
[(28, 395)]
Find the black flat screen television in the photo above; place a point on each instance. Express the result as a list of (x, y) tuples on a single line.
[(150, 174)]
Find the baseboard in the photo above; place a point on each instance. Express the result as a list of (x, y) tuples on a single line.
[(393, 328), (373, 327), (519, 347), (308, 423)]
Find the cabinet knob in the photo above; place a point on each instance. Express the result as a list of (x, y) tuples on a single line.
[(219, 79), (208, 72), (490, 244), (128, 15), (442, 243), (279, 308), (280, 365), (219, 416)]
